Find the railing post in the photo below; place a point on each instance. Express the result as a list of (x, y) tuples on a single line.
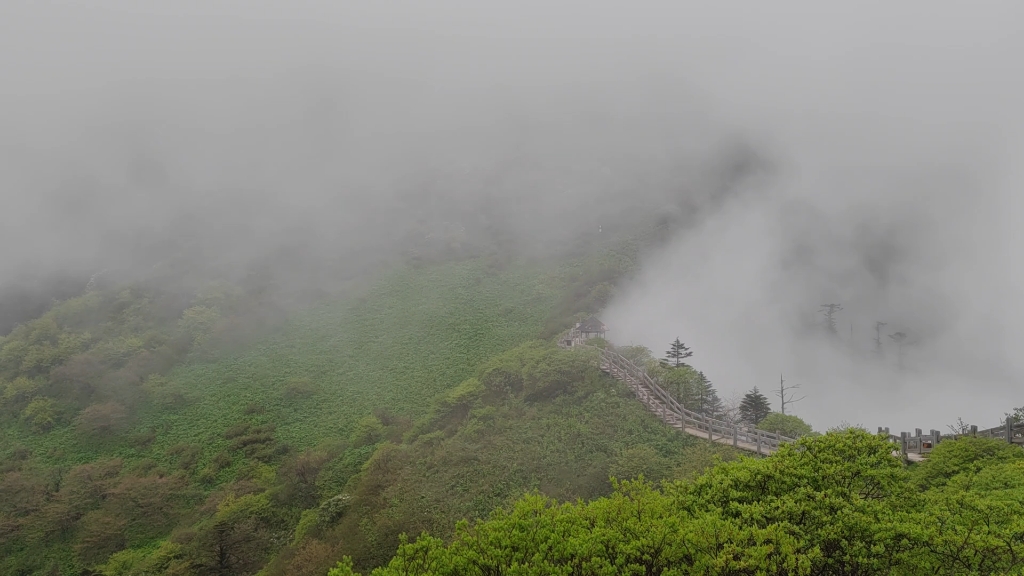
[(903, 443), (1009, 429), (920, 444), (758, 435), (974, 430), (936, 438), (707, 420), (735, 434)]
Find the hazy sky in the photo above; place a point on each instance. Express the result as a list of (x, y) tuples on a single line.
[(900, 134), (894, 130)]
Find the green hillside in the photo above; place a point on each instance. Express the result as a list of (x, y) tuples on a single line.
[(833, 504), (141, 422), (148, 431), (411, 336), (417, 333)]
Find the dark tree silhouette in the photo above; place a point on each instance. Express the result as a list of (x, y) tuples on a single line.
[(878, 338), (677, 353), (708, 402), (829, 310), (900, 338), (754, 407)]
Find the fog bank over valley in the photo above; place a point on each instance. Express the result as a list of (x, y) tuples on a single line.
[(898, 197), (869, 156)]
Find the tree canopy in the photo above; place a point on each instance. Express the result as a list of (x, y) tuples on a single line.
[(677, 352), (754, 407), (837, 504), (785, 424)]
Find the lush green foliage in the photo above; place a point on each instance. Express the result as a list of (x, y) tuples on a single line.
[(837, 504), (786, 424), (967, 455), (533, 419), (688, 386), (145, 431), (152, 380), (255, 447)]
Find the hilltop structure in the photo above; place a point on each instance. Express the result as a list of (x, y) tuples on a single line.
[(585, 330)]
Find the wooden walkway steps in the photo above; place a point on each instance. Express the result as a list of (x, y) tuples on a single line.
[(911, 447), (669, 411)]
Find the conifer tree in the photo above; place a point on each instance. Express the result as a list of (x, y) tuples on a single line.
[(829, 310), (677, 353), (755, 407), (708, 402)]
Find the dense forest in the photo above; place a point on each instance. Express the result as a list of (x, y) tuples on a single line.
[(427, 424), (833, 504), (154, 430)]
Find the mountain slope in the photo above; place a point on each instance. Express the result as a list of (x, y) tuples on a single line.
[(141, 424)]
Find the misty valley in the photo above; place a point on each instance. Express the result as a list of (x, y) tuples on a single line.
[(519, 289), (444, 419)]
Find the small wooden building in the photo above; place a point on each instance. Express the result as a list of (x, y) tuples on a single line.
[(585, 330)]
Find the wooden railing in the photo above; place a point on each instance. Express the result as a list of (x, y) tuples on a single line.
[(920, 443), (744, 437), (669, 410)]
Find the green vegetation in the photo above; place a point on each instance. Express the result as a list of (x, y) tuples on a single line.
[(536, 418), (148, 431), (788, 425), (689, 386), (833, 504), (755, 407)]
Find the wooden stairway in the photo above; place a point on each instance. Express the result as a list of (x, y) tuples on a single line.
[(669, 411)]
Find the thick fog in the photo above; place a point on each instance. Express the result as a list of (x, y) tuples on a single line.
[(898, 132), (239, 124), (321, 139)]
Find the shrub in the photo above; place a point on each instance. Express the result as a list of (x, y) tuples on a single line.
[(297, 477), (700, 457), (198, 322), (307, 525), (164, 392), (640, 461), (40, 414), (100, 419), (298, 388), (19, 392), (254, 441), (368, 430), (313, 558), (143, 439), (963, 455), (333, 509), (785, 424), (187, 455)]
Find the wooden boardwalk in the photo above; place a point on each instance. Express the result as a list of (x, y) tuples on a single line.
[(660, 403), (916, 446), (669, 411)]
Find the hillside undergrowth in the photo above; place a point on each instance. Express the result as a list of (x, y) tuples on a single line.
[(242, 430)]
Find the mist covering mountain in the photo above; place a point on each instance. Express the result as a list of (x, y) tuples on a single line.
[(867, 155)]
